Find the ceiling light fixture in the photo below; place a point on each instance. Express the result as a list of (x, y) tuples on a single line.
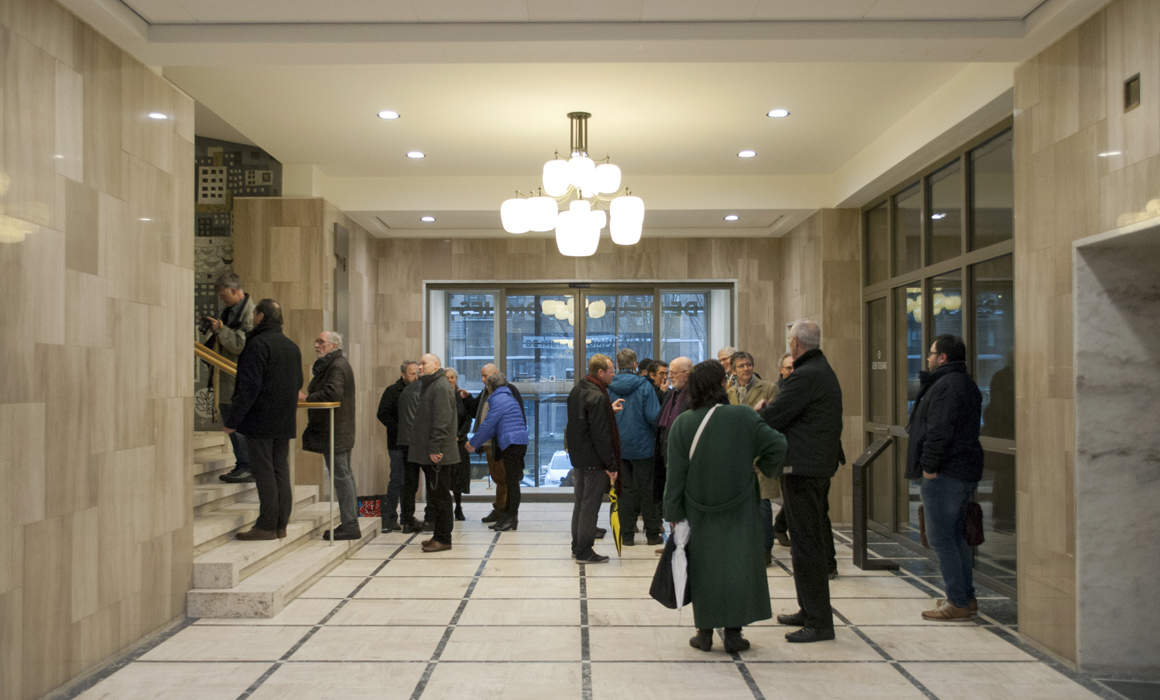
[(388, 114), (938, 216), (427, 219), (732, 217), (584, 186), (747, 154), (158, 115), (1109, 154), (416, 154), (778, 113)]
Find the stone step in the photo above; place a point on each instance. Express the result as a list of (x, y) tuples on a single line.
[(267, 592), (209, 438), (216, 527), (210, 476), (210, 497), (212, 455), (233, 561)]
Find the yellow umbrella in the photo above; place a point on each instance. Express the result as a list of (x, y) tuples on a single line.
[(614, 517)]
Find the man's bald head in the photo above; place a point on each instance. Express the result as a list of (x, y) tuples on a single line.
[(429, 364), (679, 371)]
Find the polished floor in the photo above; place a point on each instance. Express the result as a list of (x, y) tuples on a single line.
[(512, 616)]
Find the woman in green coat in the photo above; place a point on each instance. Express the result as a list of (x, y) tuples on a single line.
[(717, 492)]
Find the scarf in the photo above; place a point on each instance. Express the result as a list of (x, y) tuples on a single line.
[(673, 408), (615, 430)]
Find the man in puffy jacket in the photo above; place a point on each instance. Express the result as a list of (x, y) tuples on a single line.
[(637, 425), (333, 380), (944, 452), (434, 445), (505, 424)]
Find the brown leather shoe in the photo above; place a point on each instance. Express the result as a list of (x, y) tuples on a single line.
[(281, 533), (427, 543), (973, 604), (436, 547), (948, 613), (782, 538), (257, 534)]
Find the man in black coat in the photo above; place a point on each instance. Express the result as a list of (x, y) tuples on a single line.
[(594, 449), (434, 446), (388, 415), (333, 380), (808, 411), (944, 452), (265, 403)]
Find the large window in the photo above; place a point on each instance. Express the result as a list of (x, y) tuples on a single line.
[(939, 254), (544, 335)]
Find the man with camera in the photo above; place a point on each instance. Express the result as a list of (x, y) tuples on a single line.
[(227, 338)]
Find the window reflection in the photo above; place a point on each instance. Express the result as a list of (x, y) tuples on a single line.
[(908, 230), (993, 191), (947, 304), (946, 213), (877, 245), (996, 495), (684, 325), (908, 348), (994, 289)]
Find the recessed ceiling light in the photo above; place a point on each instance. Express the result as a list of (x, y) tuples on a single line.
[(158, 115), (427, 219), (1109, 154), (388, 114), (416, 154), (778, 113), (732, 217), (746, 154), (938, 216), (144, 218)]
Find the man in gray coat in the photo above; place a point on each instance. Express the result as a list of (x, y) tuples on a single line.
[(434, 445), (227, 338)]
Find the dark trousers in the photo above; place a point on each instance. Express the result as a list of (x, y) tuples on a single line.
[(269, 463), (809, 526), (498, 474), (831, 556), (513, 467), (770, 524), (638, 498), (410, 487), (237, 441), (439, 500), (588, 489), (390, 506)]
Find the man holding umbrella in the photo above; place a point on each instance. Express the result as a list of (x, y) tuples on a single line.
[(594, 448)]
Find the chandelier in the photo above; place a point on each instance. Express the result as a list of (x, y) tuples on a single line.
[(592, 193)]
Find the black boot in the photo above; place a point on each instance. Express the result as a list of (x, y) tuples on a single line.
[(459, 513), (703, 640), (734, 642), (505, 523), (492, 516)]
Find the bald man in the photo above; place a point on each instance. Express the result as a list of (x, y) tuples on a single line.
[(495, 467), (435, 446)]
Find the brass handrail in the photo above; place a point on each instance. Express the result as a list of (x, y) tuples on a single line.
[(214, 359), (319, 404)]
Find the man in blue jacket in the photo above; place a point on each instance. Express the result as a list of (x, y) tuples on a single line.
[(637, 425), (944, 452)]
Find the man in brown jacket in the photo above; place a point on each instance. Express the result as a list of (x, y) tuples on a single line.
[(334, 381)]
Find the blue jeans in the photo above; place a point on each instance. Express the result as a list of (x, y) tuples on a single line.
[(390, 505), (944, 505), (344, 489), (237, 441)]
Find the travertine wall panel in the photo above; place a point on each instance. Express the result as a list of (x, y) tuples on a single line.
[(96, 402), (1068, 111)]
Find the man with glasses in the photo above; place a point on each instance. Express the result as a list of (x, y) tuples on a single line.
[(673, 405), (658, 374), (751, 390)]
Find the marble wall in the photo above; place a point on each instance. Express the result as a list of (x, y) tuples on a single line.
[(1082, 165), (96, 400), (1117, 455), (284, 250)]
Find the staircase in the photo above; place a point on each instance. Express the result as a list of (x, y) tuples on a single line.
[(232, 578)]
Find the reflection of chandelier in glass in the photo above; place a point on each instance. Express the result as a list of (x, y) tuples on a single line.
[(565, 310), (942, 302), (584, 186)]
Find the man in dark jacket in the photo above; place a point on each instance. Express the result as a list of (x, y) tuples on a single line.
[(333, 380), (478, 407), (594, 449), (808, 411), (265, 404), (944, 452), (434, 445), (637, 424), (388, 415)]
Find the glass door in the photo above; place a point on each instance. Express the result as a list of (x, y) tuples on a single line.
[(540, 359)]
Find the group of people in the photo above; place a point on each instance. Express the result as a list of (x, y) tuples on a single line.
[(712, 444)]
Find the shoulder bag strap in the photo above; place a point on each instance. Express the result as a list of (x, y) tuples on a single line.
[(701, 429)]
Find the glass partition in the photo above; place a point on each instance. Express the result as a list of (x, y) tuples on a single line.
[(993, 192), (908, 230), (946, 213), (877, 248), (994, 290)]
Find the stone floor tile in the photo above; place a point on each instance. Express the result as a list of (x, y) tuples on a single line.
[(177, 681), (966, 642), (521, 612), (397, 612), (408, 588), (330, 681), (664, 681), (371, 644), (825, 681), (997, 681), (526, 587), (523, 643), (210, 643), (492, 681)]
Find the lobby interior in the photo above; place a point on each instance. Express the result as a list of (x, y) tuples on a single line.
[(1000, 159)]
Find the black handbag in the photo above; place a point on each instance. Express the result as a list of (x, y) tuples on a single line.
[(663, 588)]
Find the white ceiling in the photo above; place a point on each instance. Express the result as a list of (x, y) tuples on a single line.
[(427, 11), (676, 88)]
